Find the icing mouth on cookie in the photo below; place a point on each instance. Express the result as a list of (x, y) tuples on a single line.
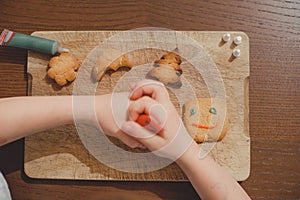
[(205, 127)]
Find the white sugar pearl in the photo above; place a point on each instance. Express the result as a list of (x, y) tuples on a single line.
[(237, 40), (226, 37), (236, 53)]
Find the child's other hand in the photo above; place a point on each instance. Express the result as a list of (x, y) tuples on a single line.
[(151, 98), (107, 117)]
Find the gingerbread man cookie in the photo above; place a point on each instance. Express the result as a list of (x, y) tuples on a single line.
[(167, 70)]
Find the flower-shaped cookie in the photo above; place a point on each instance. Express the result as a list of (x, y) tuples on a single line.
[(63, 68)]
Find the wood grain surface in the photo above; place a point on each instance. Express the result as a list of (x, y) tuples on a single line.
[(68, 158), (273, 27)]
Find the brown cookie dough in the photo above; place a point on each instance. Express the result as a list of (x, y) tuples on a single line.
[(167, 70), (203, 120), (63, 68)]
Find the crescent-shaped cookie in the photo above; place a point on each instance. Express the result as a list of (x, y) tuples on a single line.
[(110, 59)]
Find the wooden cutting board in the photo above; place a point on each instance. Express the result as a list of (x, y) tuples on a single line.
[(59, 153)]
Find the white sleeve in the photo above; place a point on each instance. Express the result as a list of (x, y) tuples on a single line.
[(4, 191)]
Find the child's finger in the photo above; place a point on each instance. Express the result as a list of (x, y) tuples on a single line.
[(140, 106), (146, 105), (147, 138), (154, 89), (172, 148), (128, 140), (141, 146), (143, 82)]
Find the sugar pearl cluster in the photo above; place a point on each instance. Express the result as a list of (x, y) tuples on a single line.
[(237, 40)]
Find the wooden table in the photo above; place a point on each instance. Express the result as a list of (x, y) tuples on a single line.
[(273, 27)]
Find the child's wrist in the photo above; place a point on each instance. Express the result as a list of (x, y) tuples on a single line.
[(86, 108), (189, 155)]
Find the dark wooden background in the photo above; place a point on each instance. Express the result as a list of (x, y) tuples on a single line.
[(274, 30)]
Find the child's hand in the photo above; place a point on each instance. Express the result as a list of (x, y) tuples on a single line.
[(151, 97), (107, 116), (209, 179)]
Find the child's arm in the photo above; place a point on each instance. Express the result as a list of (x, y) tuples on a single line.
[(21, 116), (209, 179)]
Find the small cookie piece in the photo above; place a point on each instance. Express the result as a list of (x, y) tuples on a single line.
[(104, 63), (63, 68), (167, 70), (202, 118)]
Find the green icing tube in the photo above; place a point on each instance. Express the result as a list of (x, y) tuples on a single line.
[(13, 39)]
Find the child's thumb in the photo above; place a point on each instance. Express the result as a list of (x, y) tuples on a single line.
[(140, 133)]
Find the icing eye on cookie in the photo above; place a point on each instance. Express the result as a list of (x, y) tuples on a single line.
[(212, 110), (192, 111)]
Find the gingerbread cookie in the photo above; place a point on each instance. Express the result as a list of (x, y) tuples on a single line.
[(63, 68), (204, 121), (167, 70), (104, 63)]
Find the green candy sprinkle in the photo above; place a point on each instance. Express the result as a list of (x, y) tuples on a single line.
[(192, 111), (212, 110)]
